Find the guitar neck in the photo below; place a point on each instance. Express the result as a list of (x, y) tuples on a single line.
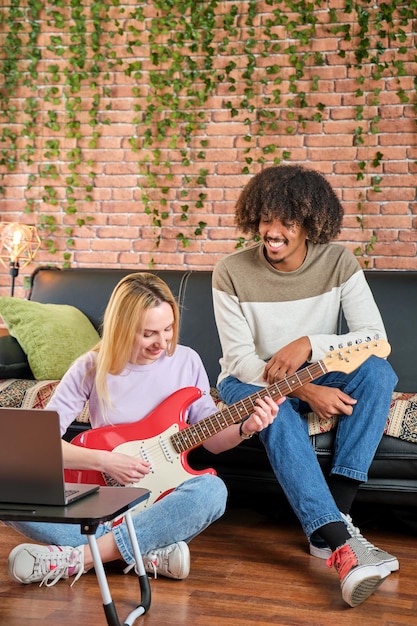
[(194, 435)]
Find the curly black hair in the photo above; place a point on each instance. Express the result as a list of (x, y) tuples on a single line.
[(294, 195)]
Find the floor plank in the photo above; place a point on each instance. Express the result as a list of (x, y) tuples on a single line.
[(246, 569)]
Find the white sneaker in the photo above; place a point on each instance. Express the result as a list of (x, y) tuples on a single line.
[(173, 561), (321, 550), (31, 563)]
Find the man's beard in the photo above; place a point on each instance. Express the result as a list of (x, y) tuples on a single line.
[(272, 260)]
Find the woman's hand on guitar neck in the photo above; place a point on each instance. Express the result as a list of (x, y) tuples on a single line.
[(263, 416)]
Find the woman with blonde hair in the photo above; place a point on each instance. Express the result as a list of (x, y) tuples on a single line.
[(135, 367)]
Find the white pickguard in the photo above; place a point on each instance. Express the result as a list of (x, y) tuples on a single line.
[(167, 471)]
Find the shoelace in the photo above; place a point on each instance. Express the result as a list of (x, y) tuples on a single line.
[(129, 568), (151, 559), (57, 576), (56, 567), (343, 559), (158, 559)]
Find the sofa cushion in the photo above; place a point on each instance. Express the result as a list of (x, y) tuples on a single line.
[(26, 394), (51, 335), (401, 422), (33, 394)]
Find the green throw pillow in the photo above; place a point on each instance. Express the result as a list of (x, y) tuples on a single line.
[(51, 335)]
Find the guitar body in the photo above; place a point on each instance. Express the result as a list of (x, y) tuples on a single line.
[(149, 439)]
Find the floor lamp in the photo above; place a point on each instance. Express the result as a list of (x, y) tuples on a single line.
[(19, 245)]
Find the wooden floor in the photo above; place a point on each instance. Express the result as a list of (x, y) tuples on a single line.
[(245, 569)]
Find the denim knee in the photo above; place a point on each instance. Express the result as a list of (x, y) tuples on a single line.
[(380, 370), (215, 494)]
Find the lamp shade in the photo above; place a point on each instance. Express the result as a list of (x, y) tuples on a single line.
[(19, 243)]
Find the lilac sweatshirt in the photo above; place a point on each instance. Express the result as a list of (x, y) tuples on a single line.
[(135, 392)]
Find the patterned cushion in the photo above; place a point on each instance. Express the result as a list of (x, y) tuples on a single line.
[(402, 418), (26, 394), (401, 422), (31, 394)]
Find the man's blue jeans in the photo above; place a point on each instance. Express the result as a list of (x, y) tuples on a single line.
[(292, 455)]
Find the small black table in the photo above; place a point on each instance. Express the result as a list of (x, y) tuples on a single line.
[(107, 504)]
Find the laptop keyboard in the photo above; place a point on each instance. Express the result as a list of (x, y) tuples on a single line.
[(70, 492)]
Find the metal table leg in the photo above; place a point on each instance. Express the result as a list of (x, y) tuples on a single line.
[(108, 604)]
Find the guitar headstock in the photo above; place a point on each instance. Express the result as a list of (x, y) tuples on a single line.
[(349, 358)]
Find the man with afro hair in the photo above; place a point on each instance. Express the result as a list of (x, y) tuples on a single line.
[(277, 305)]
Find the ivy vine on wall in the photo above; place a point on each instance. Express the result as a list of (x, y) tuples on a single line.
[(183, 59)]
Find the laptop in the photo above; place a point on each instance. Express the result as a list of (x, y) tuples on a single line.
[(31, 463)]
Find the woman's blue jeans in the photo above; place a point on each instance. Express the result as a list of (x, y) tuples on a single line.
[(290, 450), (179, 516)]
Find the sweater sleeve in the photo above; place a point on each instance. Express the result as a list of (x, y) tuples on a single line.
[(73, 391), (362, 316), (240, 358)]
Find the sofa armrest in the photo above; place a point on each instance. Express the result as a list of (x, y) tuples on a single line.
[(13, 361)]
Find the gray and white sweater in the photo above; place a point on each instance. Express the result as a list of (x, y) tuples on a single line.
[(260, 309)]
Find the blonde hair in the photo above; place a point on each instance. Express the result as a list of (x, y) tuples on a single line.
[(125, 314)]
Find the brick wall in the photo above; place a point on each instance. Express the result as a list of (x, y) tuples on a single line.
[(373, 169)]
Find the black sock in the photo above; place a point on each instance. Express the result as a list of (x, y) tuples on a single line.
[(334, 534), (343, 490)]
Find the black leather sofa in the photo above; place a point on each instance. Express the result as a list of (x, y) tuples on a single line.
[(245, 469)]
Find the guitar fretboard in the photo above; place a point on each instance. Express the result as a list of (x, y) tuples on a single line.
[(194, 435)]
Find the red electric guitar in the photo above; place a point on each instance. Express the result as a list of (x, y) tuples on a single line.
[(163, 437)]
